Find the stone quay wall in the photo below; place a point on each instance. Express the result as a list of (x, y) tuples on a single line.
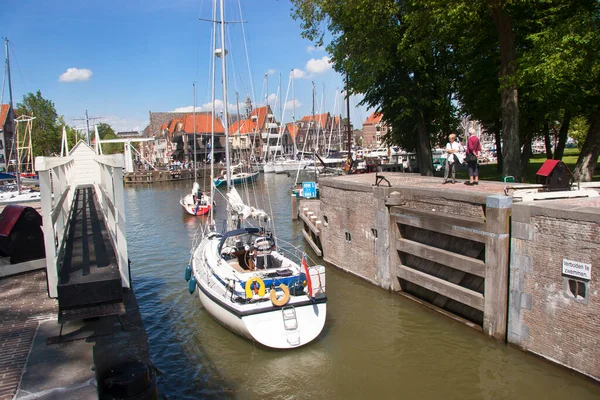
[(552, 312)]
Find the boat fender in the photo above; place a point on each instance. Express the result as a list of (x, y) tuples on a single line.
[(192, 285), (259, 287), (188, 273), (278, 302)]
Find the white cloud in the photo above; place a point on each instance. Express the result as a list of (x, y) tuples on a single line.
[(290, 105), (75, 75), (208, 107), (310, 49), (187, 109), (271, 71), (299, 74), (272, 99), (318, 66)]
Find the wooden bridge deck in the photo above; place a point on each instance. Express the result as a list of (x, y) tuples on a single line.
[(89, 279)]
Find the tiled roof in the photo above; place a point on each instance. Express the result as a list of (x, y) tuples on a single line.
[(3, 114), (256, 122), (292, 129), (159, 118), (203, 123), (373, 119), (173, 125), (321, 119)]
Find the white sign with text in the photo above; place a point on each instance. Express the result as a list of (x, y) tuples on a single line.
[(577, 269)]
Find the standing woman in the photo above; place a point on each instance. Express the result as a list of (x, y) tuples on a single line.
[(453, 157), (473, 151)]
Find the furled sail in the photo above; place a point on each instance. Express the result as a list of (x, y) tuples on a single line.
[(238, 206)]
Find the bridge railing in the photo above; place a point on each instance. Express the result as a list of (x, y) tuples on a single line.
[(58, 184), (109, 189), (57, 195)]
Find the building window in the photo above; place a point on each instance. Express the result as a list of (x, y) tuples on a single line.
[(2, 160), (576, 289), (1, 144), (348, 237)]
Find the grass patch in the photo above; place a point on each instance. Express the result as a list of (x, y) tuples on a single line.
[(489, 172)]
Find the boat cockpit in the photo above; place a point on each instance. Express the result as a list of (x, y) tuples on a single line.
[(250, 249)]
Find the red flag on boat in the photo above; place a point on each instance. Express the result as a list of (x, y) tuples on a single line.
[(308, 280)]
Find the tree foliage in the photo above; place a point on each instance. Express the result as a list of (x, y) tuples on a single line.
[(106, 132), (46, 133), (515, 66)]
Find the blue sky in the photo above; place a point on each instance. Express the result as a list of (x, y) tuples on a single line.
[(121, 59)]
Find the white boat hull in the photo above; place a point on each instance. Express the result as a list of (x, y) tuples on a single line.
[(269, 168), (267, 328), (292, 325)]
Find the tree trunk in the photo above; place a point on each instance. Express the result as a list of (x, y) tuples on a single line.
[(562, 136), (509, 96), (588, 158), (424, 148), (547, 140), (526, 153)]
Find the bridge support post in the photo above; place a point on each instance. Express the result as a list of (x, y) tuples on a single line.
[(497, 225)]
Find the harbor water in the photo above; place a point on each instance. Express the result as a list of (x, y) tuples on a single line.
[(375, 345)]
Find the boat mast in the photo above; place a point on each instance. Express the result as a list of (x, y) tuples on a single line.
[(295, 149), (225, 115), (266, 117), (349, 128), (195, 171), (212, 129), (313, 116), (13, 145)]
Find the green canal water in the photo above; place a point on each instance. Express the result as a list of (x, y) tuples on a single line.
[(375, 345)]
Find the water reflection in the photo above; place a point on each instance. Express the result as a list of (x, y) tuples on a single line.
[(375, 344)]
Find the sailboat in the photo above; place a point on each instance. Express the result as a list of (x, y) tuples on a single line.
[(245, 280), (196, 203)]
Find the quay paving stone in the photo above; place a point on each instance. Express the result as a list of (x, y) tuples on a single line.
[(416, 180), (24, 303)]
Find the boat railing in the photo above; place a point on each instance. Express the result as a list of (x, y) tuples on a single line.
[(57, 196), (292, 252)]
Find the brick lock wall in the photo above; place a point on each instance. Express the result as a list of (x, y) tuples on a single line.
[(353, 212), (543, 317)]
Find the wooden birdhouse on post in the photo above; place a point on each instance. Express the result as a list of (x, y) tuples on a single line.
[(554, 175)]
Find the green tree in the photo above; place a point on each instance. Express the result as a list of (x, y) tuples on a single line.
[(46, 133), (72, 134), (392, 53), (106, 132)]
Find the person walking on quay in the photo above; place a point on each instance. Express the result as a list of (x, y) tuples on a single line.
[(453, 157), (473, 151)]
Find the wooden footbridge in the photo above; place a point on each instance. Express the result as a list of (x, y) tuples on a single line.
[(84, 232)]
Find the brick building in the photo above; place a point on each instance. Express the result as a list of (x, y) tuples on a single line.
[(373, 131)]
